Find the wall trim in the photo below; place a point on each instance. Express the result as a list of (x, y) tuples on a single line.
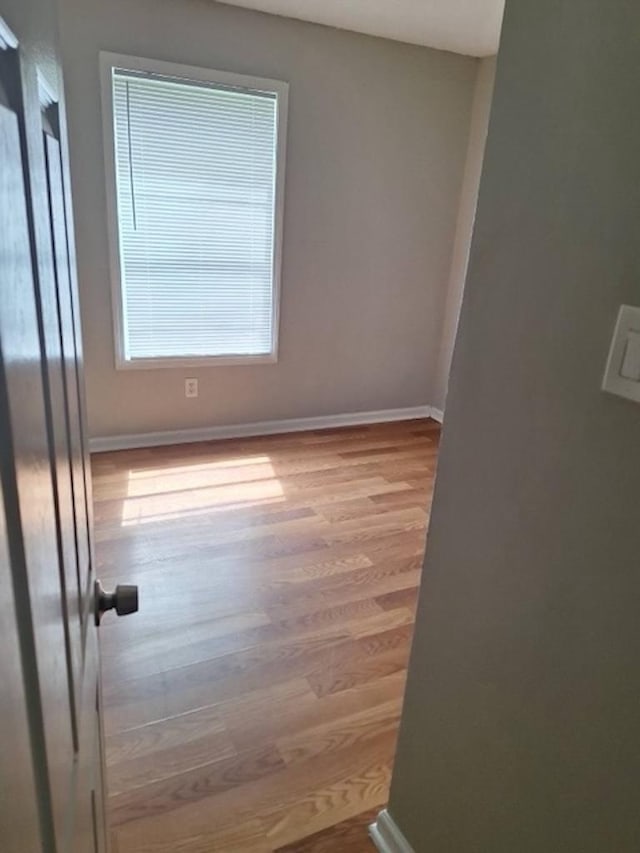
[(386, 835), (184, 436), (437, 414)]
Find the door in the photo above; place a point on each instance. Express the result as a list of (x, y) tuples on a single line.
[(51, 732)]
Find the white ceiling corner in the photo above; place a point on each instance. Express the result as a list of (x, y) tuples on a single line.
[(470, 27)]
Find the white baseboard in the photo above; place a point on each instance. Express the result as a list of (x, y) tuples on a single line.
[(183, 436), (437, 414), (386, 835)]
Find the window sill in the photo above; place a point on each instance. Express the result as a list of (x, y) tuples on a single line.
[(196, 361)]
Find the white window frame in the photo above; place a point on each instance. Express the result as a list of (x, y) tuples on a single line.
[(109, 61)]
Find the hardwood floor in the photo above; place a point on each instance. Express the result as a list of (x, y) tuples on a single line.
[(252, 704)]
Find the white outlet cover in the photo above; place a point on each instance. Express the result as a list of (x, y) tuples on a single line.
[(190, 387), (622, 352)]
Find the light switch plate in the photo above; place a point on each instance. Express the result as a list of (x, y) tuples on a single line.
[(631, 359), (623, 363)]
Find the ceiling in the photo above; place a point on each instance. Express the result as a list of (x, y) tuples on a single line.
[(464, 26)]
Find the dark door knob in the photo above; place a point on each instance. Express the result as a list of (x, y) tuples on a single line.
[(124, 600)]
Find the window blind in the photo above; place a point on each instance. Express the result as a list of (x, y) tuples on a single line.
[(196, 187)]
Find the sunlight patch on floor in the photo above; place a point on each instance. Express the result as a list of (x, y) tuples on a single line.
[(169, 493), (156, 481)]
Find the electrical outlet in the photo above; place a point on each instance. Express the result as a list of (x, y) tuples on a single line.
[(190, 387)]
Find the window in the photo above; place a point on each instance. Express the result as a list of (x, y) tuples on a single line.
[(195, 176)]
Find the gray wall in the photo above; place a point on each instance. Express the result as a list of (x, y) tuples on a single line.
[(464, 229), (520, 729), (376, 148)]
